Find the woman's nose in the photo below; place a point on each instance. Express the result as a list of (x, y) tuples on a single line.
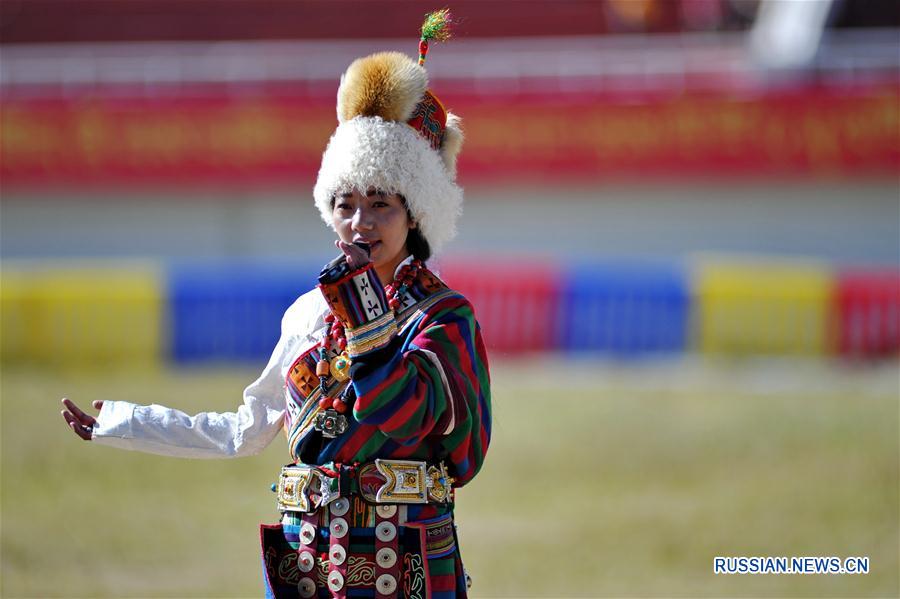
[(362, 220)]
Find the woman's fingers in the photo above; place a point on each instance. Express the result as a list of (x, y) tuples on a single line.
[(80, 429), (72, 411), (77, 420), (98, 404), (356, 256), (83, 432), (82, 418)]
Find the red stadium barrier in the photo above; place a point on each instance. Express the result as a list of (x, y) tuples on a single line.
[(516, 305), (278, 136), (867, 311)]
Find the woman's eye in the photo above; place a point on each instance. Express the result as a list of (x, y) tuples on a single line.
[(343, 206)]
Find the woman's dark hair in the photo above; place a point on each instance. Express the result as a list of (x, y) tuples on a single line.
[(418, 245)]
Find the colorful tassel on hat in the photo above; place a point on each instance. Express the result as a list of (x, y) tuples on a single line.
[(436, 27)]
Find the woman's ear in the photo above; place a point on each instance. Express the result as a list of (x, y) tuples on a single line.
[(413, 224)]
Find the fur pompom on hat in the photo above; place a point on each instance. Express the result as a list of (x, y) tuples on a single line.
[(394, 135)]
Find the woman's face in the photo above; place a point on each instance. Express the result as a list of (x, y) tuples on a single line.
[(378, 219)]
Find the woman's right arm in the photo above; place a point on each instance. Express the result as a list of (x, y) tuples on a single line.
[(166, 431)]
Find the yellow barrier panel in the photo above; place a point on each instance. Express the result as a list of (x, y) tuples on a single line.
[(16, 312), (83, 315), (762, 307)]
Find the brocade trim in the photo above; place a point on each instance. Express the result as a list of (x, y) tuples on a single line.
[(371, 336)]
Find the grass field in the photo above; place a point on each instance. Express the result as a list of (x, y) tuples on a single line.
[(602, 480)]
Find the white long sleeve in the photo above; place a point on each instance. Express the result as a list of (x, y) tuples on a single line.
[(249, 430)]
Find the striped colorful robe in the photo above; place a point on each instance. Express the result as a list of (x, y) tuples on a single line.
[(422, 392)]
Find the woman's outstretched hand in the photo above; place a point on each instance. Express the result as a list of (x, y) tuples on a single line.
[(78, 421), (357, 257)]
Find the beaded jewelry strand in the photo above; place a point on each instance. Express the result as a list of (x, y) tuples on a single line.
[(395, 290)]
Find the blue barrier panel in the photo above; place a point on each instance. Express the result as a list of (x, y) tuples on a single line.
[(231, 312), (624, 309)]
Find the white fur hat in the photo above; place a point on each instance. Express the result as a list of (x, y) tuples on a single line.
[(391, 136)]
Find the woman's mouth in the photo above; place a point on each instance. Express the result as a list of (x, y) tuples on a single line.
[(370, 242)]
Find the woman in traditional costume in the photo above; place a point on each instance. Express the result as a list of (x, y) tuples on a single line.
[(380, 378)]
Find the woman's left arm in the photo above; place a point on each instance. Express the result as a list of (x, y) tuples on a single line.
[(431, 379)]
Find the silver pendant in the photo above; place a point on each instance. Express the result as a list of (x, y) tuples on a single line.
[(331, 423)]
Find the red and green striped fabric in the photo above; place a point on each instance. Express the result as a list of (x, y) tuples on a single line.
[(423, 391)]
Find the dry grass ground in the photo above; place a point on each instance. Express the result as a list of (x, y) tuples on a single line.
[(619, 481)]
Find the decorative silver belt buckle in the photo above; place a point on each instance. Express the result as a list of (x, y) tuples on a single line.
[(439, 484), (331, 423), (404, 482), (305, 489), (292, 488)]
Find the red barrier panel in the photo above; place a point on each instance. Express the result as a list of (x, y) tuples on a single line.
[(867, 309), (516, 305), (215, 136)]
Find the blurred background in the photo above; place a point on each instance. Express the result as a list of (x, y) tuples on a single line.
[(681, 237)]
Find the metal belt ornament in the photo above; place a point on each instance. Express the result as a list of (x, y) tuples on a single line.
[(408, 481), (305, 489)]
